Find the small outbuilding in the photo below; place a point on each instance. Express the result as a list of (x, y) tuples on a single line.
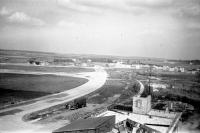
[(90, 125)]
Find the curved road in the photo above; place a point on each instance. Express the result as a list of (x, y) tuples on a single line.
[(15, 124), (141, 89)]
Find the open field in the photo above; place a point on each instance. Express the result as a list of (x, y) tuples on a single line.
[(47, 69), (20, 87), (8, 96), (111, 89), (41, 83)]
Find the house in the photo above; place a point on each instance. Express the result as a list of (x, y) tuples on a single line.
[(157, 67), (166, 68), (90, 125), (181, 69), (136, 66), (156, 85), (176, 69), (193, 71), (171, 69), (83, 64)]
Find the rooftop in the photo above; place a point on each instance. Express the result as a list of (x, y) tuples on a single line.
[(82, 124), (158, 120)]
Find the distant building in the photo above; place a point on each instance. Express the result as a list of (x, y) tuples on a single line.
[(157, 67), (90, 125), (176, 69), (136, 66), (156, 85), (118, 65), (83, 64), (89, 61), (181, 69), (166, 68), (193, 71), (74, 60), (171, 69)]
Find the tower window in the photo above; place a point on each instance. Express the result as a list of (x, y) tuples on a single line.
[(138, 103)]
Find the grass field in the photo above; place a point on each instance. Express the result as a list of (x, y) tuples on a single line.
[(41, 83), (20, 87), (14, 96), (11, 112), (110, 89), (47, 69)]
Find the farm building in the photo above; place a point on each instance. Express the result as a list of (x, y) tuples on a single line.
[(90, 125)]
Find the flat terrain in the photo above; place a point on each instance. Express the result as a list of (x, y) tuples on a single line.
[(112, 89), (45, 68), (41, 83), (21, 87)]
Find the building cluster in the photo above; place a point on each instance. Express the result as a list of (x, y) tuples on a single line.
[(156, 86), (193, 71), (113, 64), (120, 64), (142, 119), (159, 67), (62, 62)]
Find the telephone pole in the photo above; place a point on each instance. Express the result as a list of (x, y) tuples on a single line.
[(150, 74)]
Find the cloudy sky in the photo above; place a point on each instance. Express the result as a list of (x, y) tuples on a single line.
[(148, 28)]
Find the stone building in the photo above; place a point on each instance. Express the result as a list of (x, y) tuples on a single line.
[(141, 105)]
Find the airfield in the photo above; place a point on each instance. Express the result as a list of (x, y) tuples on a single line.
[(14, 123), (36, 87)]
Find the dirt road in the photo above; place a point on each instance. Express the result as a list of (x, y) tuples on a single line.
[(13, 123)]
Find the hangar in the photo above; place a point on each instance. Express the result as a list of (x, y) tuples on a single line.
[(90, 125)]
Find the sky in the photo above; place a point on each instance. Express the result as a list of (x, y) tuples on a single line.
[(147, 28)]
